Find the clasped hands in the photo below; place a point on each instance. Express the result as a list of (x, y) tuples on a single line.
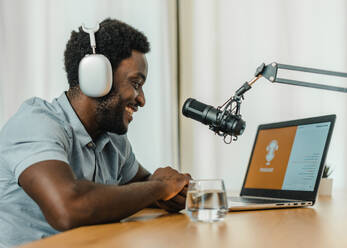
[(176, 187)]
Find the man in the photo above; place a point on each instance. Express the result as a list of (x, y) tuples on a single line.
[(69, 163)]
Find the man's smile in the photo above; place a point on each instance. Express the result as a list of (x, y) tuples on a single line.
[(130, 109)]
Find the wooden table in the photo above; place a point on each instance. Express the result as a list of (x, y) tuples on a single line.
[(324, 225)]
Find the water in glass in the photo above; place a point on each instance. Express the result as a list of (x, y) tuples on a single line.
[(207, 205)]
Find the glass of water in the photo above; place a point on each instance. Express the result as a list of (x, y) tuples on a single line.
[(206, 200)]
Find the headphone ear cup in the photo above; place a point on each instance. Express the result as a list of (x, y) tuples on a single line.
[(95, 75)]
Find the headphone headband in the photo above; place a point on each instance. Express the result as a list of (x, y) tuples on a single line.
[(91, 32)]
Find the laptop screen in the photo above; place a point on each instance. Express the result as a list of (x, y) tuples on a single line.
[(289, 156)]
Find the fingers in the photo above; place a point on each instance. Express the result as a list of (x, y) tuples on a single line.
[(168, 207), (189, 176), (179, 200), (174, 182), (174, 205), (183, 192)]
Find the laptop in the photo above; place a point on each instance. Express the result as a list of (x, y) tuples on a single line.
[(285, 165)]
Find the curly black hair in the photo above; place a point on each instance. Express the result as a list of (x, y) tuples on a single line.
[(115, 40)]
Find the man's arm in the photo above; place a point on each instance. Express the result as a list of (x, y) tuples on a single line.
[(141, 175), (67, 202)]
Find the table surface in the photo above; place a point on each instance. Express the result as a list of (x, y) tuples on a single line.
[(322, 225)]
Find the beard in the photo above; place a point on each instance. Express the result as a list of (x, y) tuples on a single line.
[(110, 114)]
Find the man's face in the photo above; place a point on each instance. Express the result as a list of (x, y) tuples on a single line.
[(115, 111)]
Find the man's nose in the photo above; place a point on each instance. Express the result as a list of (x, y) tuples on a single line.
[(140, 98)]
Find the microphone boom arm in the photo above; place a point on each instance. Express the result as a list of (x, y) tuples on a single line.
[(270, 73)]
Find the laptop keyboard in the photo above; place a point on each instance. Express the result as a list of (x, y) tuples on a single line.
[(253, 200)]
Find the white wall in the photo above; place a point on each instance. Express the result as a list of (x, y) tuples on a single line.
[(33, 35), (223, 42)]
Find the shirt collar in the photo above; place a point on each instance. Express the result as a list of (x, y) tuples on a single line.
[(77, 126)]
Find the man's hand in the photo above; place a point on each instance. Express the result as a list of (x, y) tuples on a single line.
[(177, 185), (175, 204), (173, 181)]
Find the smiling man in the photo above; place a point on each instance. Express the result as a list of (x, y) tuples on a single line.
[(69, 163)]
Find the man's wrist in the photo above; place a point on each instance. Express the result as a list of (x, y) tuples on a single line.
[(159, 189), (148, 177)]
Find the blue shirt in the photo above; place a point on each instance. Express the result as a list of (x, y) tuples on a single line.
[(42, 131)]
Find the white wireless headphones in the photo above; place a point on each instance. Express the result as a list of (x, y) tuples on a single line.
[(94, 70)]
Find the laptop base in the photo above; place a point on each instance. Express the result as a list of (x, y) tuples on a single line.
[(255, 203)]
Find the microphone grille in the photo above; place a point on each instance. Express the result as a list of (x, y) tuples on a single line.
[(197, 105)]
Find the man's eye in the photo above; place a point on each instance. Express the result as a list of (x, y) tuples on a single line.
[(136, 85)]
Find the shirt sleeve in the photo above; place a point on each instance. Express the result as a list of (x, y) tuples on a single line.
[(29, 139), (131, 166)]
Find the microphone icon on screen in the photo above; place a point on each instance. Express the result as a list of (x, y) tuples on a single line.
[(271, 148)]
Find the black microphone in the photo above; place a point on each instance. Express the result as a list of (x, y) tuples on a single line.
[(221, 122)]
